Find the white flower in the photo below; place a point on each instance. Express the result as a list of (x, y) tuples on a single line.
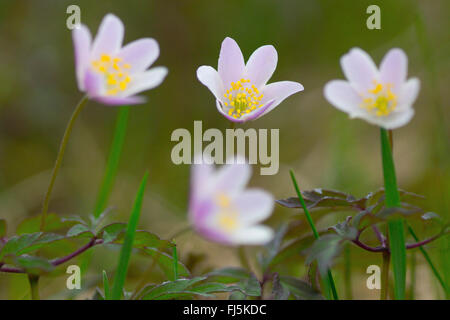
[(383, 96)]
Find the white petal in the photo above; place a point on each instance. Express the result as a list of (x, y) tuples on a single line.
[(359, 69), (409, 92), (82, 46), (210, 78), (261, 65), (344, 97), (146, 80), (231, 62), (392, 121), (278, 92), (394, 69), (255, 235), (109, 37), (254, 205)]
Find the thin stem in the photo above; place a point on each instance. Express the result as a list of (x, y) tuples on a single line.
[(34, 286), (90, 244), (314, 230), (379, 235), (385, 276), (59, 158), (427, 257), (395, 227)]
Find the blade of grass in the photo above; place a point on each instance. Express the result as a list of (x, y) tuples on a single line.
[(106, 285), (113, 160), (395, 226), (330, 280), (428, 259), (175, 263), (125, 252)]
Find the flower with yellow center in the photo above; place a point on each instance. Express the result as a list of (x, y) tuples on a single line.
[(222, 210), (240, 89), (383, 96), (110, 73)]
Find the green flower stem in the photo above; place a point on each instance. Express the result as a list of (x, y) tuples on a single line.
[(59, 158), (113, 160), (395, 227), (175, 263), (34, 286), (330, 280)]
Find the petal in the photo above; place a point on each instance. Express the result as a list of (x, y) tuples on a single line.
[(256, 235), (261, 65), (232, 178), (109, 37), (409, 92), (247, 117), (344, 97), (254, 205), (93, 83), (359, 69), (82, 45), (278, 91), (394, 69), (201, 178), (140, 54), (120, 101), (210, 78), (392, 121), (231, 62), (146, 80)]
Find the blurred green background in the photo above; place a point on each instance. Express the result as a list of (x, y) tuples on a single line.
[(38, 92)]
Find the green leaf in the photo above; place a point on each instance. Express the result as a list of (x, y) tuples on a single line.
[(53, 222), (279, 292), (300, 289), (164, 290), (33, 265), (250, 286), (125, 252), (18, 243), (229, 275), (106, 285), (345, 229), (146, 239), (292, 248), (111, 232), (80, 231), (165, 262), (113, 160), (324, 250), (40, 242), (2, 228), (274, 246)]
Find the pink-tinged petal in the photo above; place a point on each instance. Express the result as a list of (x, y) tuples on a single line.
[(119, 101), (109, 37), (394, 69), (344, 97), (210, 78), (409, 92), (261, 65), (146, 80), (394, 120), (231, 62), (359, 69), (232, 178), (140, 54), (93, 83), (278, 91), (82, 45), (255, 235), (254, 206)]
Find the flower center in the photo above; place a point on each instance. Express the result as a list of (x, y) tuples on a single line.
[(115, 73), (227, 217), (242, 98), (380, 101)]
